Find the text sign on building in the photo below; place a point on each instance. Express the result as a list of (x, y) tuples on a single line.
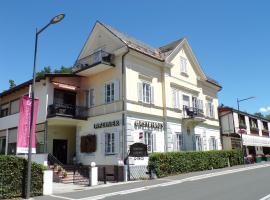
[(138, 150), (148, 124), (24, 125), (107, 124)]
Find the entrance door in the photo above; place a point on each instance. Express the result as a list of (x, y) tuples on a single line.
[(60, 150)]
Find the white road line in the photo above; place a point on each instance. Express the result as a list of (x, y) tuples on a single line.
[(61, 197), (266, 197), (174, 182)]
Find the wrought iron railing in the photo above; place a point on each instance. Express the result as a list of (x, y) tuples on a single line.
[(52, 160), (93, 59), (66, 110), (191, 112)]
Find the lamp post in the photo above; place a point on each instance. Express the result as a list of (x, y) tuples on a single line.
[(238, 109), (54, 20)]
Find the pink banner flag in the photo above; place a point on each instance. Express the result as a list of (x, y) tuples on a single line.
[(24, 125)]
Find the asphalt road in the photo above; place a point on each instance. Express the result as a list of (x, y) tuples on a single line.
[(247, 184)]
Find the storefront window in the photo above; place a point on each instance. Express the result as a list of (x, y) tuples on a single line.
[(198, 142), (212, 143), (109, 143), (179, 141), (148, 140)]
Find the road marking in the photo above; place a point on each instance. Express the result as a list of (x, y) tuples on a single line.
[(266, 197), (61, 197), (174, 182)]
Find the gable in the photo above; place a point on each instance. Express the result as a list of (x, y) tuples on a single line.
[(100, 38)]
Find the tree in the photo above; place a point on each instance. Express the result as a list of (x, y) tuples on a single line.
[(46, 70), (64, 70), (259, 114), (267, 117), (12, 83)]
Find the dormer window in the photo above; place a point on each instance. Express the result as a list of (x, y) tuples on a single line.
[(183, 65)]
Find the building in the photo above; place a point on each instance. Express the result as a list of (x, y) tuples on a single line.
[(122, 91), (254, 131)]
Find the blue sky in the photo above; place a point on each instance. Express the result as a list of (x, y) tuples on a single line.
[(230, 38)]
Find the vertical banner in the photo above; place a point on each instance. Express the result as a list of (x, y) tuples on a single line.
[(24, 125)]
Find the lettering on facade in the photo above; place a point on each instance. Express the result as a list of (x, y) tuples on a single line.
[(107, 124), (148, 124)]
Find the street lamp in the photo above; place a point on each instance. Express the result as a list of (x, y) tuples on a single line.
[(238, 108), (54, 20)]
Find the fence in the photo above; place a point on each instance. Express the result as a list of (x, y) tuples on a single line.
[(138, 172)]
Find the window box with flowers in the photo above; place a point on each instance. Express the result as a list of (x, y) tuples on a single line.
[(267, 157), (265, 132), (254, 130)]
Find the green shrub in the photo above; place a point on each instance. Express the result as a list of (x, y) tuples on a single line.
[(13, 172), (172, 163)]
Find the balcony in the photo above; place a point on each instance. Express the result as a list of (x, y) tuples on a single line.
[(94, 63), (193, 115), (66, 110), (242, 126)]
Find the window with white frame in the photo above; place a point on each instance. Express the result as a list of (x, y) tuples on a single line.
[(197, 104), (109, 92), (179, 141), (198, 142), (183, 65), (145, 92), (92, 97), (148, 140), (212, 143), (210, 109), (109, 143), (186, 101), (175, 98)]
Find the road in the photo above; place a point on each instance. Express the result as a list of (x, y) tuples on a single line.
[(250, 183)]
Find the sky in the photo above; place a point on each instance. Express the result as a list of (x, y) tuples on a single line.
[(229, 38)]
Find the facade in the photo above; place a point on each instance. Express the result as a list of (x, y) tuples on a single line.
[(121, 92), (254, 131)]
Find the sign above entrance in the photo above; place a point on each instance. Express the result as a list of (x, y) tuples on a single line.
[(107, 124), (138, 150), (147, 124)]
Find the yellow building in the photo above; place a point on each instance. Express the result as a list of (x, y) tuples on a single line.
[(122, 91)]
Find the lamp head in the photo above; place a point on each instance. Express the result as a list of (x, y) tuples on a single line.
[(57, 18)]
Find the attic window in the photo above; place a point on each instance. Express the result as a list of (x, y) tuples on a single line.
[(183, 65)]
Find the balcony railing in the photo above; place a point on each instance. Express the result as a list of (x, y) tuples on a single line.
[(65, 110), (191, 112), (265, 132), (92, 60), (242, 126)]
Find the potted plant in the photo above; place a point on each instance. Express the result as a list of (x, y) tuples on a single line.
[(267, 157)]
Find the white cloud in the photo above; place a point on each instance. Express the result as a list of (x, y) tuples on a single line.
[(265, 109)]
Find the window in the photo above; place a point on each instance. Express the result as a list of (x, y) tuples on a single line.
[(145, 92), (179, 141), (198, 143), (2, 145), (92, 97), (175, 98), (15, 106), (12, 140), (186, 101), (210, 110), (212, 143), (148, 140), (109, 92), (183, 65), (4, 110), (109, 143)]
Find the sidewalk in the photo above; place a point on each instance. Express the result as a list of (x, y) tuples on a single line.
[(63, 191)]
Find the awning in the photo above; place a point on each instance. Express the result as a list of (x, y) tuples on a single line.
[(250, 140)]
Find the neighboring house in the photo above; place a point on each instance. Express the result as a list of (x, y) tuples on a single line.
[(122, 92), (254, 131)]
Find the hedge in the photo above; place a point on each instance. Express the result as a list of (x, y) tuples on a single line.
[(13, 172), (173, 163)]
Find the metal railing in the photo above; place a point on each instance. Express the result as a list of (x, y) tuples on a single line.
[(191, 112), (52, 160), (77, 112), (93, 59)]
